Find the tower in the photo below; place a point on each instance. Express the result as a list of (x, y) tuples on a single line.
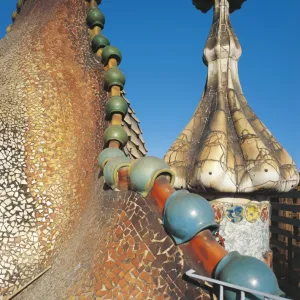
[(225, 151)]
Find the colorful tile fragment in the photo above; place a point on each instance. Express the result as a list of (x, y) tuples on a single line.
[(235, 213), (252, 213), (265, 214), (219, 212)]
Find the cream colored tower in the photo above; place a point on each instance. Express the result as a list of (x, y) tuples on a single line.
[(226, 152)]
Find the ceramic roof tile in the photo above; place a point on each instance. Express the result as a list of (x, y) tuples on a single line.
[(127, 119), (135, 139), (135, 127), (133, 150), (135, 118), (135, 147), (141, 138), (143, 150), (127, 129)]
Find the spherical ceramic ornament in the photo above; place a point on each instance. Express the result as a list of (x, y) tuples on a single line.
[(19, 5), (107, 154), (14, 15), (248, 272), (112, 168), (115, 133), (99, 41), (187, 214), (116, 105), (144, 171), (114, 77), (111, 52), (95, 18), (9, 28)]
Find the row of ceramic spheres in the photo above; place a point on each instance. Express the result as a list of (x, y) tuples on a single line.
[(112, 77), (185, 214), (15, 14)]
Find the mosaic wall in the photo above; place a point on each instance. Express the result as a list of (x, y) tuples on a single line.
[(51, 120), (244, 225), (119, 250)]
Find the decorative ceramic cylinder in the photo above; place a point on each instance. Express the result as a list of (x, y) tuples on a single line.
[(244, 224)]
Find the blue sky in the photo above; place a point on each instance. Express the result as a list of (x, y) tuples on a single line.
[(162, 45)]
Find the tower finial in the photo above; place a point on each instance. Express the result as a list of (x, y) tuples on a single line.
[(206, 5)]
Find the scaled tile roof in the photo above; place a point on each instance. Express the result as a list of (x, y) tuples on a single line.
[(135, 147)]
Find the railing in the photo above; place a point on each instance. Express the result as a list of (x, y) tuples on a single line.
[(285, 240), (222, 284)]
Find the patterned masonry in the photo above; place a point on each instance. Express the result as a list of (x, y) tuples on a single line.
[(47, 166)]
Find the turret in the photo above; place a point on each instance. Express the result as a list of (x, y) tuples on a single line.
[(225, 150)]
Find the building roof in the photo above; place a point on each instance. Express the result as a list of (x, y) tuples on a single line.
[(135, 147)]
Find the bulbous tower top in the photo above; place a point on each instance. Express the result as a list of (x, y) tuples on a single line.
[(225, 147)]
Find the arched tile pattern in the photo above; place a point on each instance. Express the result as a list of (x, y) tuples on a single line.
[(135, 147)]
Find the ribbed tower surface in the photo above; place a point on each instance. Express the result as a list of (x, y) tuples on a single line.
[(225, 147)]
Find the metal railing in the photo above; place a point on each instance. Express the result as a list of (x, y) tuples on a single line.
[(192, 274)]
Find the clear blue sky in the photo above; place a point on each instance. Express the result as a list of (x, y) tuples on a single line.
[(162, 45)]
